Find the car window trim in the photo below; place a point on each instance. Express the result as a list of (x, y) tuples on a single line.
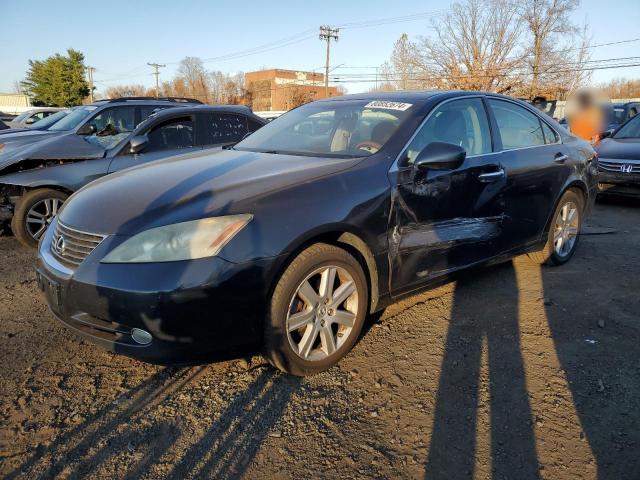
[(396, 163), (539, 117)]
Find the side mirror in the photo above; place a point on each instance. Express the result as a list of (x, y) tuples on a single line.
[(87, 129), (440, 156), (607, 133), (31, 120), (137, 143)]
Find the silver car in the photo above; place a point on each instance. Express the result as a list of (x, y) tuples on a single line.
[(32, 116)]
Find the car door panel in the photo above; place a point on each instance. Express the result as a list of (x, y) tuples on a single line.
[(535, 174), (444, 220)]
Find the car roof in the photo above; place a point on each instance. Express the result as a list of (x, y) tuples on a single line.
[(204, 108), (413, 95)]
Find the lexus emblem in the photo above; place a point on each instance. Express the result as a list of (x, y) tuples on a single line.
[(626, 168), (60, 246)]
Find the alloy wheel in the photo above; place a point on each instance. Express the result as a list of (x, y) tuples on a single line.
[(566, 229), (322, 313), (40, 215)]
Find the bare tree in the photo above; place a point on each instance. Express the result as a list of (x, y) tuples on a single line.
[(296, 96), (547, 23), (475, 46), (119, 91), (404, 69), (195, 77), (621, 88)]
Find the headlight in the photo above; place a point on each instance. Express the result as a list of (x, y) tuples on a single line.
[(180, 241)]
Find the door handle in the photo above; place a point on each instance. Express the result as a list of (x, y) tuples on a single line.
[(560, 158), (491, 176)]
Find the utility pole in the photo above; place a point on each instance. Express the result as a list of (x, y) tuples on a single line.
[(327, 33), (157, 67), (90, 71)]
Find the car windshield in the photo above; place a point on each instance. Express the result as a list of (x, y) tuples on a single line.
[(46, 122), (631, 129), (22, 116), (339, 128), (72, 120)]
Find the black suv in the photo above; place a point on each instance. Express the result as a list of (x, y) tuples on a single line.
[(37, 182)]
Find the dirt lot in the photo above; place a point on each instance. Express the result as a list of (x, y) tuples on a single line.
[(511, 372)]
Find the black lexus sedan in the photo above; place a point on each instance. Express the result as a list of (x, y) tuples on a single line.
[(619, 160), (333, 211)]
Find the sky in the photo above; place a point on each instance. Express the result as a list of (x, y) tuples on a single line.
[(119, 37)]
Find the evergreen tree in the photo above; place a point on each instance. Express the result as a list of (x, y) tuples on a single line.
[(57, 81)]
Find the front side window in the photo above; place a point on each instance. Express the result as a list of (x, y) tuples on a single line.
[(172, 134), (460, 122), (112, 126), (518, 127), (631, 129), (223, 128), (339, 128)]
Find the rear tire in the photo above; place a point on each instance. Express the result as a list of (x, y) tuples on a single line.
[(317, 311), (564, 231), (33, 214)]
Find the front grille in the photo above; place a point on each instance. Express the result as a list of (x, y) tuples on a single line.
[(72, 246), (616, 166)]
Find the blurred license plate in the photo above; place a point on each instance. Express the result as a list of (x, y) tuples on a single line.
[(52, 291)]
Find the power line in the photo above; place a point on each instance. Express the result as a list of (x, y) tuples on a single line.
[(476, 76)]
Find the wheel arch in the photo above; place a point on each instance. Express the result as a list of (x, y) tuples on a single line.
[(577, 186), (347, 239)]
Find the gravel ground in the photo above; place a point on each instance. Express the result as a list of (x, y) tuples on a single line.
[(513, 371)]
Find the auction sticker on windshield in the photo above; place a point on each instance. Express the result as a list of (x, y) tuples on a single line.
[(389, 105)]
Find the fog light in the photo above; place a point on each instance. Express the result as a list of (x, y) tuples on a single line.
[(141, 336)]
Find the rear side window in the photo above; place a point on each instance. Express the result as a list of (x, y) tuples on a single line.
[(459, 122), (223, 128), (172, 134), (518, 127)]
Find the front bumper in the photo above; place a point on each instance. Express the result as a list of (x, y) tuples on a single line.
[(619, 183), (195, 311)]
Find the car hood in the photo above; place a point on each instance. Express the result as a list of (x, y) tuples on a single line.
[(189, 187), (67, 146), (9, 131), (623, 149)]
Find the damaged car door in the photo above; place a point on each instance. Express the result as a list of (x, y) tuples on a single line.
[(447, 204)]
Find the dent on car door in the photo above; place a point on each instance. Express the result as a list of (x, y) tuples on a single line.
[(443, 220), (536, 164), (167, 138)]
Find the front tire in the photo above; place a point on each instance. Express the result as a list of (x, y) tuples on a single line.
[(317, 311), (34, 212), (564, 232)]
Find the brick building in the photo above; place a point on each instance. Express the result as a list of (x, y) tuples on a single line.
[(277, 90)]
